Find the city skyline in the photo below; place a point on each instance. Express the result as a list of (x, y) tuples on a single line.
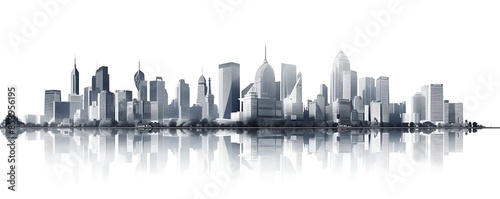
[(344, 81), (164, 49)]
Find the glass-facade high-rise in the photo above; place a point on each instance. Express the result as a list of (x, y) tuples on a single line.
[(288, 80), (229, 89), (75, 80), (51, 96), (183, 99), (340, 64), (121, 99), (382, 95), (100, 82), (366, 89)]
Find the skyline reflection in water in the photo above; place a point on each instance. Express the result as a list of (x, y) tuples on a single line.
[(208, 162)]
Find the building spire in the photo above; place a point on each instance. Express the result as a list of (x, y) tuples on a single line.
[(139, 65), (265, 52), (201, 70), (209, 86), (75, 61)]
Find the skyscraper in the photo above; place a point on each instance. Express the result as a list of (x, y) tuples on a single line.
[(183, 99), (340, 64), (158, 93), (435, 103), (138, 77), (75, 80), (265, 84), (418, 104), (51, 96), (425, 94), (288, 79), (383, 96), (292, 104), (143, 91), (323, 90), (121, 99), (208, 109), (366, 89), (350, 84), (106, 105), (202, 90), (229, 89), (100, 82)]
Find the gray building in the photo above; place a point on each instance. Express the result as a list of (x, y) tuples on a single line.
[(350, 84), (121, 99), (106, 105), (435, 103), (61, 111), (75, 80), (183, 99), (51, 96), (158, 93), (323, 90), (418, 105), (340, 64), (366, 89), (288, 79), (100, 82), (229, 89), (382, 95)]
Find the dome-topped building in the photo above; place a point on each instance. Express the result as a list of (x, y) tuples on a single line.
[(265, 85)]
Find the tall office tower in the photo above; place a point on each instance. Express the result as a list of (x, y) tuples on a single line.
[(292, 104), (350, 84), (75, 81), (202, 90), (434, 103), (249, 105), (446, 111), (340, 64), (383, 96), (183, 99), (288, 79), (106, 105), (138, 77), (208, 109), (323, 90), (320, 108), (418, 104), (366, 89), (425, 94), (100, 82), (87, 102), (158, 93), (229, 89), (121, 99), (456, 113), (51, 96), (376, 111), (143, 91), (243, 93)]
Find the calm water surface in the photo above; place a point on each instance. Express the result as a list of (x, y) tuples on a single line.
[(258, 163)]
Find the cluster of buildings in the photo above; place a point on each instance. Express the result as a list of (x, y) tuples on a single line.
[(348, 100)]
